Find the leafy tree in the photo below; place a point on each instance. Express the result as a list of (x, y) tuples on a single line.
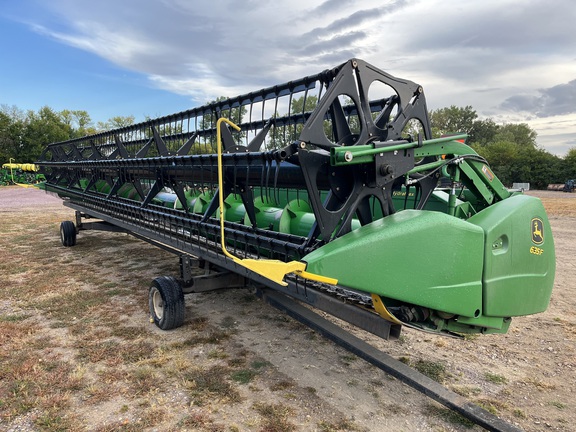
[(516, 162), (446, 121), (510, 149), (78, 121), (540, 167), (501, 156), (209, 121), (569, 165), (116, 123), (42, 128), (5, 138), (520, 133), (11, 130), (483, 132), (23, 136), (284, 135)]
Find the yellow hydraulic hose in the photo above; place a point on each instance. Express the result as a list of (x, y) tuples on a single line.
[(274, 270)]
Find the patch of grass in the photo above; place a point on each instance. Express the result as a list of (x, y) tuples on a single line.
[(519, 413), (495, 378), (441, 343), (114, 353), (97, 393), (52, 420), (135, 351), (281, 385), (67, 306), (541, 385), (557, 404), (348, 359), (126, 332), (217, 354), (243, 376), (433, 370), (396, 408), (213, 337), (14, 270), (206, 384), (341, 425), (493, 406), (237, 361), (14, 317), (95, 351), (467, 391), (114, 292), (143, 380), (28, 382), (275, 417), (195, 420), (228, 322), (198, 323), (449, 416), (259, 364)]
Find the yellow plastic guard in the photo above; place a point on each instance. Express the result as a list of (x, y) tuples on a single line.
[(380, 307), (274, 270), (317, 277)]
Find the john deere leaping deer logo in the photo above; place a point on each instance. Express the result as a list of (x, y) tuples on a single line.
[(537, 227)]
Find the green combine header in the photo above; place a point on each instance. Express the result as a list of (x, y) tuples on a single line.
[(324, 188)]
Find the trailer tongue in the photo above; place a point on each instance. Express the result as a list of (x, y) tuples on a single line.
[(324, 188)]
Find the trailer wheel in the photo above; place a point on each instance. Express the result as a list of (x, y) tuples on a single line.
[(68, 233), (166, 303)]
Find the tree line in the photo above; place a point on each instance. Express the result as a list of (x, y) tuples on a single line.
[(510, 149), (24, 135)]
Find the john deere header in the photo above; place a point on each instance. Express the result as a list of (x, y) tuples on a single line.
[(330, 183)]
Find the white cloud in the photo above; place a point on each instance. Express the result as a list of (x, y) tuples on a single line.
[(464, 53)]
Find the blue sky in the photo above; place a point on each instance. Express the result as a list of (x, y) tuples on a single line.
[(511, 60)]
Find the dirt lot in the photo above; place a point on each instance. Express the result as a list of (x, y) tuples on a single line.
[(77, 350)]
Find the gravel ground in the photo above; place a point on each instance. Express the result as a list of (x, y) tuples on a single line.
[(527, 376), (16, 198)]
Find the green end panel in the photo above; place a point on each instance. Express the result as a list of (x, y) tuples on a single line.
[(519, 259), (421, 257)]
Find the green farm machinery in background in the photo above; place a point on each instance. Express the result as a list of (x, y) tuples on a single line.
[(20, 174), (325, 189)]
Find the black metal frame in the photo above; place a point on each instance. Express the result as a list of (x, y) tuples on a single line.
[(153, 155)]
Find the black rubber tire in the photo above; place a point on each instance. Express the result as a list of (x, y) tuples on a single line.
[(166, 303), (68, 233)]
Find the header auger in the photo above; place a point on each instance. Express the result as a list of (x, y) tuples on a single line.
[(324, 188)]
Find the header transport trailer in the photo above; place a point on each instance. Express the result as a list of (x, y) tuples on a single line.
[(325, 189)]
